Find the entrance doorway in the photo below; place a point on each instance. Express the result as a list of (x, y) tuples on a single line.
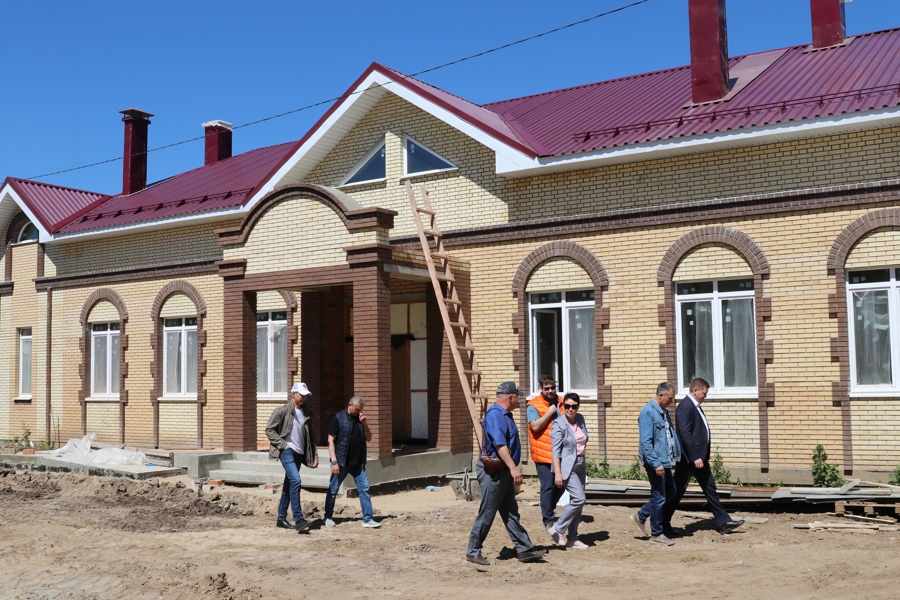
[(409, 373)]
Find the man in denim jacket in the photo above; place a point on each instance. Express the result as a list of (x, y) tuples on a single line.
[(659, 450)]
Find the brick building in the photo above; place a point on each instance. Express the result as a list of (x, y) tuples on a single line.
[(736, 219)]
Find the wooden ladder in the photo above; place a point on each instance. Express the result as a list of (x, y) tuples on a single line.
[(470, 377)]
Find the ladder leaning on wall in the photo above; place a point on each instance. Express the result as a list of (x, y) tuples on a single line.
[(451, 308)]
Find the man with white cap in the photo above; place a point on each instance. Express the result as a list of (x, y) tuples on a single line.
[(293, 443)]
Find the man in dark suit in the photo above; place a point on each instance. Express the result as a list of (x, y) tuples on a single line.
[(693, 430)]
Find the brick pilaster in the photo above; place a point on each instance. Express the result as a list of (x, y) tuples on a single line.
[(239, 345)]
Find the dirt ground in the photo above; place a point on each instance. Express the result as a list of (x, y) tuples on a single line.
[(86, 538)]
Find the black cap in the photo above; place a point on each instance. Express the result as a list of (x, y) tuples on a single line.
[(509, 387)]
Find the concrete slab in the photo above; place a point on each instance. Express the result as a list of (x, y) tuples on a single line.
[(45, 462)]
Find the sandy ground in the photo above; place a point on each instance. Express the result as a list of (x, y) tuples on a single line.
[(80, 537)]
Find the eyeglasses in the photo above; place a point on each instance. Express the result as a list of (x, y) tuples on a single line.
[(572, 406), (549, 389)]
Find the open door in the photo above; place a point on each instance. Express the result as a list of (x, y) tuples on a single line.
[(400, 391)]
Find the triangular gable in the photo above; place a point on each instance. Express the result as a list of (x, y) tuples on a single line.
[(480, 124), (47, 206)]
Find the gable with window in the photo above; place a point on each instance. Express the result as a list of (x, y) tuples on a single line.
[(371, 168)]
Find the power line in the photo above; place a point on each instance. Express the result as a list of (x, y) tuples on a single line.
[(330, 100)]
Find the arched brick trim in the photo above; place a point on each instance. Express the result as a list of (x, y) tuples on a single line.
[(353, 217), (843, 245), (759, 265), (84, 345), (293, 364), (156, 343), (521, 323)]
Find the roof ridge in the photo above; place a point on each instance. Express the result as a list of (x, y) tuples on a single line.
[(660, 71)]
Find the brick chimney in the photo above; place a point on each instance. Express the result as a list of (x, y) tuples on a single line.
[(828, 22), (218, 141), (134, 159), (709, 50)]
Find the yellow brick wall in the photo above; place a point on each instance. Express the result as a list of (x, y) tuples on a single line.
[(712, 261), (25, 308), (270, 301), (102, 419), (138, 297), (177, 425), (474, 195), (178, 305), (876, 434), (802, 371), (149, 248), (274, 246), (103, 312), (881, 248), (558, 275)]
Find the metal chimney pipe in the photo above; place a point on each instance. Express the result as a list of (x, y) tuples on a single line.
[(134, 158), (829, 26), (709, 50)]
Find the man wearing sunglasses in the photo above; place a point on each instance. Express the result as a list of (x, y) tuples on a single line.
[(542, 410)]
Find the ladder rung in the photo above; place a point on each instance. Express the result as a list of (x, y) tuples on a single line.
[(425, 210), (449, 278), (440, 255), (466, 348), (468, 372), (480, 396), (460, 325), (452, 301), (433, 233)]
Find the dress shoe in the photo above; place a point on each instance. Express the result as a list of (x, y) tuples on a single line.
[(478, 559), (662, 539), (533, 555), (301, 525), (283, 524), (730, 526)]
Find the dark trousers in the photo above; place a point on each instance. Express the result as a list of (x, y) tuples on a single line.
[(550, 494), (704, 477), (498, 494)]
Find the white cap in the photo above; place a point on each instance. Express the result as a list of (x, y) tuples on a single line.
[(301, 389)]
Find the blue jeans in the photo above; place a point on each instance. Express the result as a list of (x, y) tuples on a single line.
[(661, 487), (290, 491), (362, 487)]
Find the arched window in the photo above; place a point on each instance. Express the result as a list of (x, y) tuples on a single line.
[(29, 233)]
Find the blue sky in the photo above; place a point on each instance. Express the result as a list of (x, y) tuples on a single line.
[(69, 67)]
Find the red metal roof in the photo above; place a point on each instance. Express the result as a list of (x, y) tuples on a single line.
[(224, 184), (860, 76), (53, 205)]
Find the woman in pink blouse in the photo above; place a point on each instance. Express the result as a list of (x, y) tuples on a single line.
[(569, 437)]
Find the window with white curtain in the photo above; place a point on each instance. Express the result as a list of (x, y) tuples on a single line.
[(716, 331), (271, 354), (180, 357), (104, 359), (873, 308), (25, 362), (563, 340)]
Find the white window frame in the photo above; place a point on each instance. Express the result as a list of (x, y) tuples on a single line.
[(25, 335), (109, 333), (893, 288), (270, 356), (183, 329), (407, 174), (718, 389), (563, 352), (362, 162)]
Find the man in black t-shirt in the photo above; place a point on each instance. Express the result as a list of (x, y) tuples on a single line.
[(347, 437)]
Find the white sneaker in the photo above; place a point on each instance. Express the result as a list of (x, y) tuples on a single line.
[(329, 523), (373, 524)]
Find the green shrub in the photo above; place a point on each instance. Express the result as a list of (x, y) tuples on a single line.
[(720, 473), (603, 470), (824, 474), (895, 476)]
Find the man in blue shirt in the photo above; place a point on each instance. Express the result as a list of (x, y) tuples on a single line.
[(498, 493)]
